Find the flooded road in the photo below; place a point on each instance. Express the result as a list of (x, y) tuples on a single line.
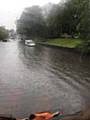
[(42, 78)]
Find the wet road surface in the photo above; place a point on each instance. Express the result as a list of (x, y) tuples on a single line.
[(42, 78)]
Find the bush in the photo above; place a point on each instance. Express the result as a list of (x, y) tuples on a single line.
[(3, 33), (84, 47)]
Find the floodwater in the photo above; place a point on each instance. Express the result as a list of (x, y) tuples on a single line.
[(40, 78)]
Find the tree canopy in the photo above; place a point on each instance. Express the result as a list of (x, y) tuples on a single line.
[(71, 17), (31, 22)]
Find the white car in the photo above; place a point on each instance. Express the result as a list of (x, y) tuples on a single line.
[(30, 43)]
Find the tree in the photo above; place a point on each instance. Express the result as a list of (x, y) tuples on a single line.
[(84, 25), (31, 23), (3, 33), (54, 21), (71, 17), (64, 18)]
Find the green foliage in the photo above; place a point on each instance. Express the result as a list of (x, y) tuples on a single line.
[(54, 22), (31, 23), (64, 18), (84, 24), (84, 47), (71, 17), (3, 33)]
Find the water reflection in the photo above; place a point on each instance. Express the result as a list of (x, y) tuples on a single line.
[(41, 78)]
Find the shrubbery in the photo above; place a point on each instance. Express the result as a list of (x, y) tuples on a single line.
[(3, 33)]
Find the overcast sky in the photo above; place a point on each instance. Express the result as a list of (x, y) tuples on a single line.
[(10, 10)]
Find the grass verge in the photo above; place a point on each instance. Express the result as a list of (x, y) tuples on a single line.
[(69, 43)]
